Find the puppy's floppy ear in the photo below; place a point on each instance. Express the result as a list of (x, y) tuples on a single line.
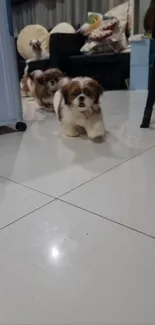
[(99, 91), (96, 88), (32, 76), (59, 74), (38, 42), (37, 76), (63, 74), (41, 80), (65, 91)]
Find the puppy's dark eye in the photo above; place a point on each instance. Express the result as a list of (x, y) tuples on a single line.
[(88, 92), (74, 94)]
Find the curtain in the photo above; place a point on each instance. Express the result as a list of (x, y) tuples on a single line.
[(50, 12)]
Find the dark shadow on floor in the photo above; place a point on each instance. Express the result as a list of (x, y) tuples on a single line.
[(6, 130)]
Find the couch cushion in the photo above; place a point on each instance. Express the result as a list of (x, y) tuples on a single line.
[(63, 28), (111, 70), (66, 44), (121, 13), (97, 58)]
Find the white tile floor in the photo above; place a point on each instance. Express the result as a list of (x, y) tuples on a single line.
[(77, 221)]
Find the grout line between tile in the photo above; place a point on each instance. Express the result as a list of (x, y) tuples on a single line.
[(28, 187), (107, 171), (82, 184), (26, 215), (108, 219)]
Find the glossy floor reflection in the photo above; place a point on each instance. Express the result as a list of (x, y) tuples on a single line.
[(77, 229)]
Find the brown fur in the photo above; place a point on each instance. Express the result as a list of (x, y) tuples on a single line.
[(55, 73), (24, 87), (72, 89), (49, 75), (36, 48), (93, 90), (76, 118), (42, 90)]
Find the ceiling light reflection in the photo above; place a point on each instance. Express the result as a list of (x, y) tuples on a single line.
[(54, 253)]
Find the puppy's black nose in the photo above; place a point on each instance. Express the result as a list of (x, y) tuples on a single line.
[(81, 98), (52, 82)]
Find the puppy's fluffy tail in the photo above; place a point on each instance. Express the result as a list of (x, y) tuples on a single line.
[(26, 70), (58, 103)]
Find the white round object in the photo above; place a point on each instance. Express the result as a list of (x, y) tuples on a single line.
[(32, 32), (63, 28)]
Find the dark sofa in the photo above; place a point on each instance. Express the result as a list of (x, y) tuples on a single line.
[(111, 70)]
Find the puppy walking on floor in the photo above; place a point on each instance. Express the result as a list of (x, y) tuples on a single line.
[(43, 86), (77, 107)]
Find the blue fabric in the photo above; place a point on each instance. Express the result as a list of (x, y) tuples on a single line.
[(9, 14)]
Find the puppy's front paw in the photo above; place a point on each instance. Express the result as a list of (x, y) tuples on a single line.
[(73, 134), (81, 130), (48, 108), (70, 131), (98, 139)]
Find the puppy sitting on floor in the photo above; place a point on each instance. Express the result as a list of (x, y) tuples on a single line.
[(44, 85), (78, 109)]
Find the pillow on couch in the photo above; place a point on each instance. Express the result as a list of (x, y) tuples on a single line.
[(32, 32), (121, 13), (64, 28), (106, 46), (105, 30), (94, 21)]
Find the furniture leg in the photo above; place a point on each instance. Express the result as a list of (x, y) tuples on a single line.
[(150, 101)]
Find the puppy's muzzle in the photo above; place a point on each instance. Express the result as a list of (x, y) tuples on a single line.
[(82, 101), (53, 82), (36, 47)]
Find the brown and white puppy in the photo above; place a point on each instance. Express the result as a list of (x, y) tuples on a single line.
[(36, 49), (77, 107), (44, 86), (37, 54)]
